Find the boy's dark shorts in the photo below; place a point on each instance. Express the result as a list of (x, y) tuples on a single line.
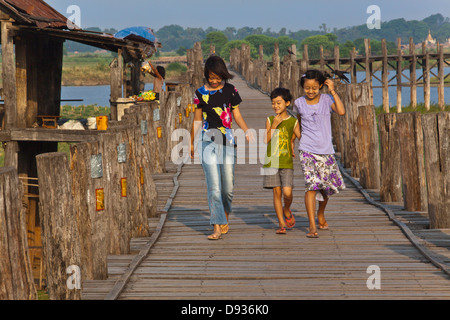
[(274, 177)]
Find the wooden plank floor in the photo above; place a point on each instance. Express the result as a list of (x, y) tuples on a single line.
[(252, 262)]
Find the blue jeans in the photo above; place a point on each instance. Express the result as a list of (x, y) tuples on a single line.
[(218, 163)]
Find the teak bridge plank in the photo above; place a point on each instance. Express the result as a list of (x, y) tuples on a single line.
[(251, 261)]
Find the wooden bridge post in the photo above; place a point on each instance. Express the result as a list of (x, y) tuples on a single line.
[(368, 148), (412, 73), (399, 75), (60, 235), (410, 135), (426, 76), (321, 59), (368, 67), (390, 187), (353, 78), (276, 75), (16, 278), (197, 80), (441, 85), (295, 73), (385, 76), (437, 164)]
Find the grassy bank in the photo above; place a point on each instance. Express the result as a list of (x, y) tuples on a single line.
[(90, 69)]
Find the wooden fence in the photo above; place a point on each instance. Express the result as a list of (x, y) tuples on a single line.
[(406, 158), (16, 279), (92, 204), (284, 71)]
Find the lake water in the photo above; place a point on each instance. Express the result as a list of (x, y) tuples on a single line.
[(100, 94)]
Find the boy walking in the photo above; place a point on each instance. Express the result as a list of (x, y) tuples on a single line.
[(281, 132)]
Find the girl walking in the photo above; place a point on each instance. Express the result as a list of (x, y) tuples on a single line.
[(217, 103), (316, 152)]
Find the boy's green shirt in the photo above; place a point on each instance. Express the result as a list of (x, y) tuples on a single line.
[(281, 156)]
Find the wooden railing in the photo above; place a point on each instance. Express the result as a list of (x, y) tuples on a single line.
[(95, 201)]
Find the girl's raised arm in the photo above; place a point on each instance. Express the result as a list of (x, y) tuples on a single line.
[(337, 106)]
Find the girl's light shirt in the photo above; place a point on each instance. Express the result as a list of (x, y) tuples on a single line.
[(316, 125)]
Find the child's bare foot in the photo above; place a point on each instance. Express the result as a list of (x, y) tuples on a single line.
[(323, 225), (290, 221)]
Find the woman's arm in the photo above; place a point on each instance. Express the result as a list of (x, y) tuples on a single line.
[(241, 123), (198, 121)]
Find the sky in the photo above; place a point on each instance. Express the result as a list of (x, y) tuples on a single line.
[(293, 15)]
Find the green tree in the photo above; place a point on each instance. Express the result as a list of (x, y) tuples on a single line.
[(314, 43), (217, 38)]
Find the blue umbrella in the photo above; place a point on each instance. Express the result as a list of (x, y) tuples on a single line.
[(143, 34)]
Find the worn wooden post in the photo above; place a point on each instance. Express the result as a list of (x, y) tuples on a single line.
[(275, 79), (295, 72), (412, 73), (399, 75), (353, 96), (409, 127), (441, 85), (426, 76), (336, 58), (116, 83), (384, 76), (16, 278), (321, 59), (198, 66), (60, 236), (353, 66), (390, 187), (368, 148), (368, 67), (437, 154)]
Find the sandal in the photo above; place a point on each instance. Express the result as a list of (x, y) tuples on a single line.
[(312, 234), (215, 236), (224, 228), (290, 222), (323, 227), (281, 230)]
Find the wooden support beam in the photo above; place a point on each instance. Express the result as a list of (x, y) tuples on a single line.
[(441, 98), (384, 77), (399, 75), (368, 67), (426, 76), (412, 73)]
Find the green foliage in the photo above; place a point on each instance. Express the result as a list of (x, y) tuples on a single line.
[(218, 39), (176, 67), (434, 108), (314, 43), (83, 112)]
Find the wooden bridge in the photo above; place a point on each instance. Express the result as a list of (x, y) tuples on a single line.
[(252, 262)]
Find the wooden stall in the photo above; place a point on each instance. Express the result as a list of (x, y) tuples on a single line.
[(32, 38)]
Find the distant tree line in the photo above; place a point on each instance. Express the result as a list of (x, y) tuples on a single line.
[(177, 38)]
